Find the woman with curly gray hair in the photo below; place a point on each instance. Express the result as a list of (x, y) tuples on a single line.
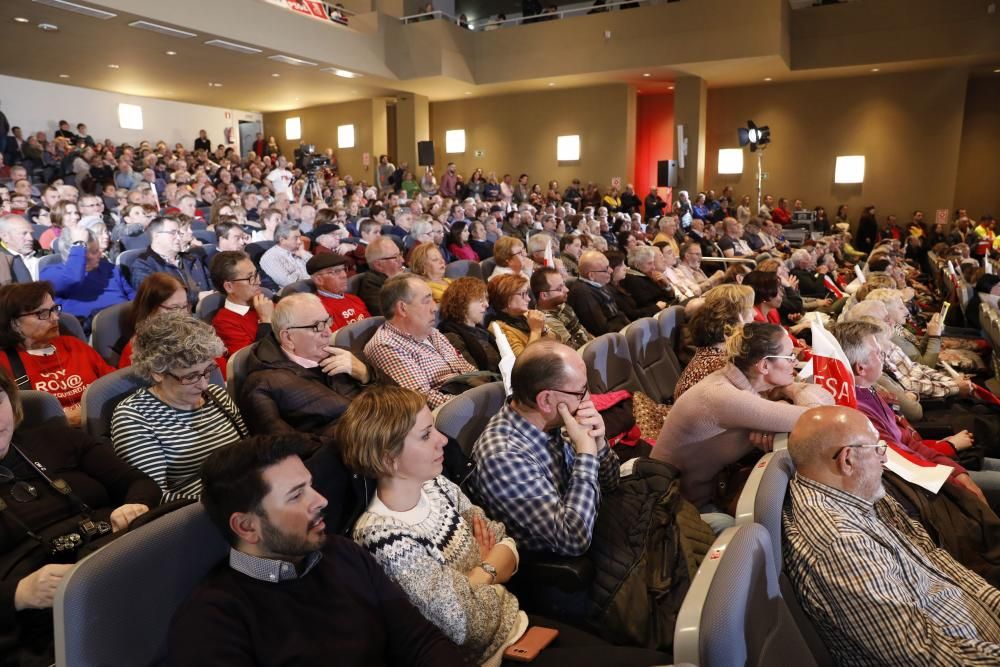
[(168, 428)]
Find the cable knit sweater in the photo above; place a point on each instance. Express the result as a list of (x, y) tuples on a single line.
[(428, 550), (708, 428)]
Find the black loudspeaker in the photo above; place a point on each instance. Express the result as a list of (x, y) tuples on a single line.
[(425, 153), (666, 174)]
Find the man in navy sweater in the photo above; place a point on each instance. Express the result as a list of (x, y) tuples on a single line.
[(290, 594)]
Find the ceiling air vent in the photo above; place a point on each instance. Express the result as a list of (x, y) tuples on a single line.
[(232, 46), (162, 29), (288, 60), (79, 9)]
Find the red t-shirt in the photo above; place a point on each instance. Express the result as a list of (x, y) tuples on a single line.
[(344, 310), (66, 373)]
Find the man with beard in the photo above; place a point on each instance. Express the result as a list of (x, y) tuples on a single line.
[(874, 584), (289, 593)]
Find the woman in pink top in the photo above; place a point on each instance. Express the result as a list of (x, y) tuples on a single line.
[(458, 242), (722, 418)]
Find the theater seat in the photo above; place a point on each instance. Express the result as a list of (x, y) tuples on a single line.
[(487, 266), (463, 268), (236, 371), (298, 287), (140, 242), (107, 329), (609, 365), (126, 259), (356, 335), (41, 408), (49, 260), (465, 416), (103, 395), (656, 367), (70, 326), (354, 282), (734, 613), (115, 606)]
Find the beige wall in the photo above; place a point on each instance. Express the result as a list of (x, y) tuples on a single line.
[(978, 182), (908, 126), (319, 126), (518, 133)]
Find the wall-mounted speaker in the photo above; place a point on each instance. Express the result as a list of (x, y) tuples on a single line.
[(425, 153), (666, 174)]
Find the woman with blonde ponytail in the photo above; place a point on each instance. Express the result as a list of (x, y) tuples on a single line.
[(739, 407)]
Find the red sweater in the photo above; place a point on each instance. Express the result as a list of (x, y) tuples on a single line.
[(237, 331), (349, 308), (65, 374)]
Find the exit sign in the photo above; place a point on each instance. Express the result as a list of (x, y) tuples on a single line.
[(479, 153)]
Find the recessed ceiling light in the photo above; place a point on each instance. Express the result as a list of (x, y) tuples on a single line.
[(670, 87), (551, 84), (343, 73), (468, 92), (275, 75), (874, 69), (64, 76), (647, 74), (297, 99), (767, 78), (21, 19), (996, 71), (112, 66), (48, 27), (171, 53)]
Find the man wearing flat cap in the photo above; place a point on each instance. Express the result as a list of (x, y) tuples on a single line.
[(329, 273)]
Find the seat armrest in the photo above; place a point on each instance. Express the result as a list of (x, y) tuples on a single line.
[(567, 573)]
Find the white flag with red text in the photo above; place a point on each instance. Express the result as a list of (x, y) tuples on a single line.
[(830, 367)]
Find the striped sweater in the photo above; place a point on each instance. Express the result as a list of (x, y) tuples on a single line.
[(428, 551), (169, 444)]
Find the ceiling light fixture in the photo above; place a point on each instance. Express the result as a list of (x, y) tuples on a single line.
[(64, 76), (551, 84), (48, 27), (874, 69), (112, 66), (232, 46), (289, 60), (647, 74), (343, 73), (996, 71), (79, 9), (275, 75), (171, 53), (767, 78), (21, 19), (670, 87), (162, 29)]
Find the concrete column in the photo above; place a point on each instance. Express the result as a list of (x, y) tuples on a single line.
[(413, 124), (690, 107)]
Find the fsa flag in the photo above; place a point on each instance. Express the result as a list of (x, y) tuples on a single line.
[(831, 370)]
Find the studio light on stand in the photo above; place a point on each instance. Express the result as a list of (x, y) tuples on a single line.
[(756, 137)]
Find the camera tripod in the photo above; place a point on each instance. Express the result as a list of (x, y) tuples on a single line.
[(312, 189)]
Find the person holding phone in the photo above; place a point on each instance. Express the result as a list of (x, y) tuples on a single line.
[(452, 561)]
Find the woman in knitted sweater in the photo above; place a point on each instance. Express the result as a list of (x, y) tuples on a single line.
[(510, 299)]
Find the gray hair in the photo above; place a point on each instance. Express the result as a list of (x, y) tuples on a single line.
[(852, 337), (284, 230), (874, 309), (285, 309), (800, 256), (421, 227), (66, 245), (640, 255), (538, 242), (173, 340)]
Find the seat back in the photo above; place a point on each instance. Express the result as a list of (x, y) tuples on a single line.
[(236, 370), (748, 496), (140, 242), (487, 267), (465, 416), (115, 606), (733, 613), (655, 366), (462, 268), (299, 286), (208, 306), (354, 282), (609, 366), (104, 394), (41, 408), (70, 326), (203, 235), (356, 335), (769, 498), (107, 329), (126, 259), (49, 260)]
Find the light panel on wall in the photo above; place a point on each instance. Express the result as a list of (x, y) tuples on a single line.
[(730, 160), (345, 136), (293, 128), (849, 169), (130, 116), (568, 148), (454, 141)]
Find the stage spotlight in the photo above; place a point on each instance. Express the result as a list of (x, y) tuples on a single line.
[(753, 135)]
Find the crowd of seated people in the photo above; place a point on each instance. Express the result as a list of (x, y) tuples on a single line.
[(551, 269)]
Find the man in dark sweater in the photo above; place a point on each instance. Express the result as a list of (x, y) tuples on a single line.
[(590, 299), (289, 593), (385, 260)]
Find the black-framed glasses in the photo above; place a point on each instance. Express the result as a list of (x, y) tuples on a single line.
[(879, 448), (384, 259), (171, 232), (607, 269), (557, 288), (22, 492), (44, 314), (316, 327), (193, 378), (252, 278), (580, 395)]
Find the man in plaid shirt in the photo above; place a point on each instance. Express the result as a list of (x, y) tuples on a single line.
[(407, 347), (877, 588), (543, 460)]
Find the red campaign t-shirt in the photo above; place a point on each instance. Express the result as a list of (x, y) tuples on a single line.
[(349, 308), (64, 374), (236, 331)]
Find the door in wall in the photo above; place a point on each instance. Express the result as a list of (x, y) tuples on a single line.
[(248, 134)]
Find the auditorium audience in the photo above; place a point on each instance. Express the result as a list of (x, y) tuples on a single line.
[(544, 486), (427, 262), (463, 311), (328, 272), (733, 411), (549, 288), (510, 257), (158, 293), (245, 316), (510, 302), (168, 428), (40, 515), (285, 261), (385, 260), (646, 282), (865, 573), (291, 594), (37, 355), (296, 379), (591, 298), (164, 256)]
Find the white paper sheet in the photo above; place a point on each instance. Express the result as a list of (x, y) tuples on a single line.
[(930, 477)]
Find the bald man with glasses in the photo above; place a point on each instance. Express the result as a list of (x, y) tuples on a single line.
[(590, 299)]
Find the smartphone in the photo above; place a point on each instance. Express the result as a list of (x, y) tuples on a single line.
[(944, 310), (530, 644)]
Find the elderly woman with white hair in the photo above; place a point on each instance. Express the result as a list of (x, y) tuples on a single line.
[(167, 429), (645, 281)]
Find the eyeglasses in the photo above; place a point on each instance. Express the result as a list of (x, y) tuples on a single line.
[(390, 258), (22, 492), (607, 269), (171, 232), (44, 314), (580, 395), (524, 295), (557, 288), (251, 279), (322, 326), (879, 448), (786, 357), (193, 378)]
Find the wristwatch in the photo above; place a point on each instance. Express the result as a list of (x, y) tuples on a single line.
[(490, 570)]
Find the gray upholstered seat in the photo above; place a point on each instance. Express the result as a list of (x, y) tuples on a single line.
[(609, 365), (465, 416)]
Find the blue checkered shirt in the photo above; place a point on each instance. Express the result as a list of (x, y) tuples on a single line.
[(533, 481)]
